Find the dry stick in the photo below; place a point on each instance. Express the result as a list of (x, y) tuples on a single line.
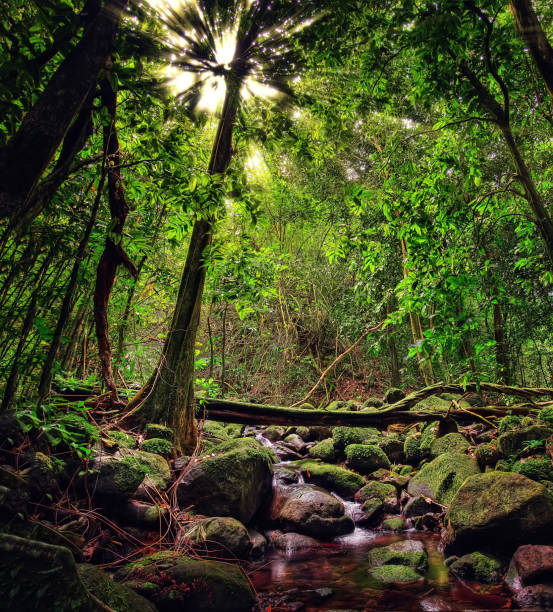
[(337, 361)]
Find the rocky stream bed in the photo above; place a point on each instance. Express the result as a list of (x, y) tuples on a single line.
[(425, 517)]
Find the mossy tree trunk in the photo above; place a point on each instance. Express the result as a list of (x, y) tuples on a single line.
[(168, 397)]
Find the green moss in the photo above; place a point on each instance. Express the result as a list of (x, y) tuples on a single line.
[(536, 468), (478, 567), (395, 523), (408, 553), (428, 435), (306, 406), (274, 432), (158, 446), (373, 402), (545, 416), (509, 423), (434, 403), (412, 450), (441, 478), (323, 450), (153, 430), (514, 441), (344, 436), (487, 455), (122, 438), (393, 395), (386, 493), (336, 405), (450, 443), (331, 477), (158, 473), (366, 458), (395, 574)]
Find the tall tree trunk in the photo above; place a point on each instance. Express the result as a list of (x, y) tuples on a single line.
[(168, 397), (26, 156), (529, 27), (67, 304), (113, 255)]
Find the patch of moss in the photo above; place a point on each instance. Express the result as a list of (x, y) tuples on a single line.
[(366, 458), (373, 402), (159, 446), (487, 455), (411, 449), (536, 468), (508, 423), (344, 436), (153, 430), (545, 416), (395, 574), (122, 438), (450, 443), (331, 477), (395, 523), (386, 493), (428, 435), (393, 395), (478, 567), (408, 553), (323, 450)]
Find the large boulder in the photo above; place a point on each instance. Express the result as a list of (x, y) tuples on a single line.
[(332, 477), (114, 478), (531, 564), (477, 567), (323, 450), (441, 478), (234, 482), (499, 509), (344, 436), (220, 535), (511, 442), (450, 443), (179, 583), (310, 510)]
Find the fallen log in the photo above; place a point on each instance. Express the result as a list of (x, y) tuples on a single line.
[(257, 414)]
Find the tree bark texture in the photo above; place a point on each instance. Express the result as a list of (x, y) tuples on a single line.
[(529, 27), (26, 156), (113, 255)]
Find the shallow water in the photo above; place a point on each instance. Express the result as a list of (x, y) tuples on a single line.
[(342, 567)]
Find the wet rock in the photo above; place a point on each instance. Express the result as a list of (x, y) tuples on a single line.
[(323, 450), (142, 514), (295, 442), (450, 443), (441, 478), (176, 582), (478, 567), (274, 433), (220, 535), (512, 441), (258, 544), (386, 493), (309, 510), (232, 483), (284, 475), (531, 564), (366, 458), (293, 543), (373, 510), (409, 553), (396, 574), (332, 477), (320, 432), (537, 596), (420, 505), (499, 509)]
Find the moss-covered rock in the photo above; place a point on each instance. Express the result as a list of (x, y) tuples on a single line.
[(386, 493), (513, 441), (220, 535), (545, 416), (158, 472), (434, 403), (332, 477), (394, 523), (176, 582), (344, 436), (477, 567), (509, 423), (393, 395), (409, 553), (398, 480), (372, 402), (428, 435), (393, 448), (153, 430), (39, 576), (336, 405), (308, 509), (412, 449), (450, 443), (323, 450), (441, 478), (536, 468), (232, 483), (395, 574), (115, 596), (373, 510), (366, 458), (146, 515), (499, 509), (121, 438), (487, 455), (114, 478), (274, 432), (158, 446)]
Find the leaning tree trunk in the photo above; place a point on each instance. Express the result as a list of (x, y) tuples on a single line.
[(529, 27), (26, 156), (113, 255), (168, 397)]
